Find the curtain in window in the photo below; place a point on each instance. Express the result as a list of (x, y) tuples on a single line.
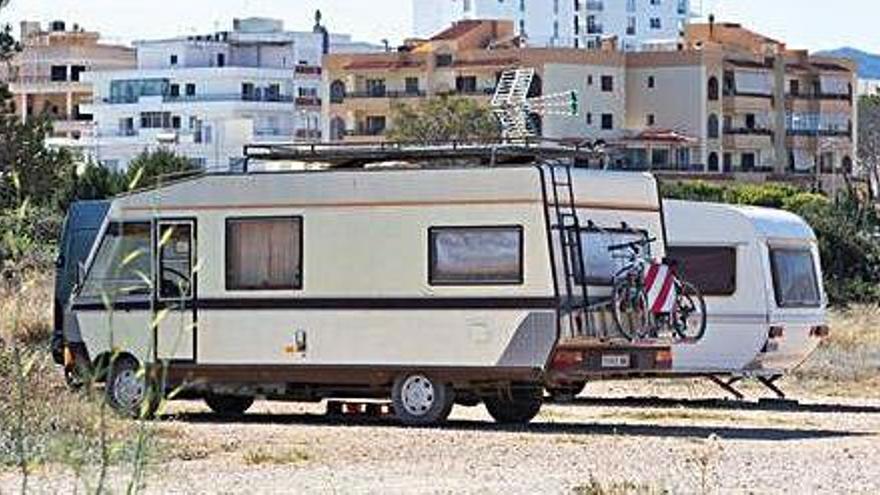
[(264, 254)]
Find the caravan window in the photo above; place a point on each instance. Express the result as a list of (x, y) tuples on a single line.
[(476, 256), (794, 278), (711, 269), (122, 265), (601, 264), (264, 254)]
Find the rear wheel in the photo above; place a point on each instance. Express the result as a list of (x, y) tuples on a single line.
[(229, 405), (517, 406), (420, 400), (130, 390), (689, 313)]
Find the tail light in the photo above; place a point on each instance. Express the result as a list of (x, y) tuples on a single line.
[(776, 332), (820, 331), (567, 359), (663, 359)]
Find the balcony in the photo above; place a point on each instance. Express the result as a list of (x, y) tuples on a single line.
[(845, 133), (308, 101), (820, 96), (260, 98), (595, 29), (748, 131), (308, 70)]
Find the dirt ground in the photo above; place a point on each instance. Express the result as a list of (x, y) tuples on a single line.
[(687, 440)]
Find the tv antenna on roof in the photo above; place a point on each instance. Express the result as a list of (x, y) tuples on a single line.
[(514, 109)]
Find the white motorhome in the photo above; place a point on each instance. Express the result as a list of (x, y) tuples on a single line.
[(431, 286), (760, 273)]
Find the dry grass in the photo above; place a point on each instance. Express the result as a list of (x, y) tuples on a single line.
[(595, 487), (26, 309), (276, 455), (848, 363)]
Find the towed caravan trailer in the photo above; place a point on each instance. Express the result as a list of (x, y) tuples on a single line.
[(760, 273), (429, 286)]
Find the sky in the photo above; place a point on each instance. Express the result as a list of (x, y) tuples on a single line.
[(811, 24)]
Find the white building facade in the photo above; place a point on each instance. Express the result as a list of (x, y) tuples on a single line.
[(206, 97), (566, 23)]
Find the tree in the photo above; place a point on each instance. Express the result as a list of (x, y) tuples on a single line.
[(869, 140), (149, 168), (443, 119)]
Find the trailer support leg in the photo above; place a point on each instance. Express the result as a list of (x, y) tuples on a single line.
[(728, 386), (770, 383)]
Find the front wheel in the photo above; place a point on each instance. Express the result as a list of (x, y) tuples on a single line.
[(420, 400), (130, 390), (517, 406), (689, 313), (630, 309)]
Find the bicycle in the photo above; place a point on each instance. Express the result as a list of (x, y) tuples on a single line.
[(649, 297)]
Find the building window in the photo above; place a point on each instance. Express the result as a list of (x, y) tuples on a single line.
[(376, 87), (155, 120), (221, 60), (466, 84), (710, 269), (174, 91), (337, 91), (475, 255), (650, 119), (651, 82), (58, 73), (443, 59), (607, 84), (264, 254), (712, 129), (412, 85), (750, 121), (590, 80), (713, 88), (631, 26), (175, 122), (747, 161), (375, 125), (173, 60), (190, 89), (589, 118), (713, 162), (607, 122), (75, 71), (655, 23)]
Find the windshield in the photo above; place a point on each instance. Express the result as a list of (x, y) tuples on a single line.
[(794, 278), (122, 264)]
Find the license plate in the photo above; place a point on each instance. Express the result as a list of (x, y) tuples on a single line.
[(615, 361)]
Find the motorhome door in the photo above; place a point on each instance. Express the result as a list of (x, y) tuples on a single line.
[(175, 315)]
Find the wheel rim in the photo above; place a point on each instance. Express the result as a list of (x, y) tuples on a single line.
[(417, 394), (128, 389)]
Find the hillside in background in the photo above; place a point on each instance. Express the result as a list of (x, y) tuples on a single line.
[(869, 63)]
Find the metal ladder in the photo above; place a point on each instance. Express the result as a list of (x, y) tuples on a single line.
[(568, 226)]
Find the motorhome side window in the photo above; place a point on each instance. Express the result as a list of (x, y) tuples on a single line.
[(794, 278), (122, 265), (711, 269), (264, 253), (476, 255)]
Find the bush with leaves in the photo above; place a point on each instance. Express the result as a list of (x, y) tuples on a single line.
[(443, 119)]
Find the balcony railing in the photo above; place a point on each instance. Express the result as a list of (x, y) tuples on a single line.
[(262, 98), (819, 96), (747, 131), (308, 70), (363, 130), (308, 101), (820, 133), (385, 94)]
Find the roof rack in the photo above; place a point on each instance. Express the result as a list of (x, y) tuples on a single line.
[(359, 155)]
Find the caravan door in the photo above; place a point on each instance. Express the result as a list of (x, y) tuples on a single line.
[(175, 314)]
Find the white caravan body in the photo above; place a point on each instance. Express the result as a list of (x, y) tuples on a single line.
[(761, 277), (346, 277)]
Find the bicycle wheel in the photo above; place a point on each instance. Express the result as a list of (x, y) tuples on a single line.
[(630, 309), (689, 312)]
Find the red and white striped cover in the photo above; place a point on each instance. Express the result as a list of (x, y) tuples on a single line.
[(660, 286)]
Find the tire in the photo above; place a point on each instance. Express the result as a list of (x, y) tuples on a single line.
[(516, 406), (129, 389), (420, 400), (630, 310), (689, 313), (566, 393), (229, 405)]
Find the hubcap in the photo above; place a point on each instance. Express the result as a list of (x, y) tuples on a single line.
[(417, 395), (128, 389)]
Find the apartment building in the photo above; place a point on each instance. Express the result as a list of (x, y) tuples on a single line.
[(363, 89), (47, 76), (206, 96), (869, 87), (729, 101), (566, 23)]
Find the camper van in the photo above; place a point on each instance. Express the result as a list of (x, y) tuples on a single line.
[(759, 272), (428, 286)]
